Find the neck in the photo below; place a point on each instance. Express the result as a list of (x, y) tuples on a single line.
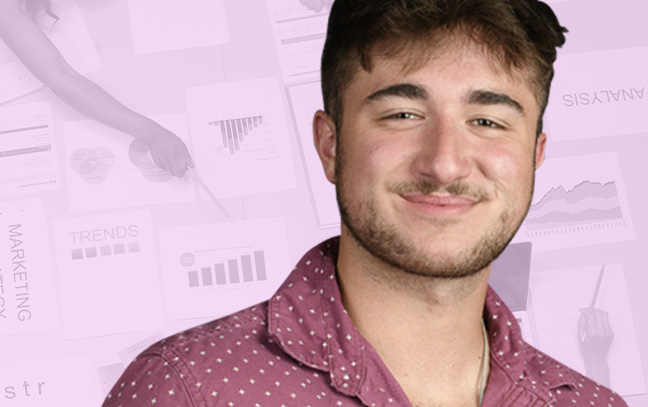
[(427, 330)]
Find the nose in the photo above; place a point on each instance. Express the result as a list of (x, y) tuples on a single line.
[(443, 154)]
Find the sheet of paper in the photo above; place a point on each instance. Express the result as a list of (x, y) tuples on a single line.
[(578, 201), (108, 169), (240, 137), (108, 376), (61, 381), (305, 100), (27, 299), (15, 79), (129, 353), (299, 35), (557, 296), (27, 150), (216, 269), (107, 273), (590, 85), (170, 25), (69, 35), (522, 318)]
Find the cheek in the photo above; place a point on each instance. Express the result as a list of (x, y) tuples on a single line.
[(509, 168), (366, 158)]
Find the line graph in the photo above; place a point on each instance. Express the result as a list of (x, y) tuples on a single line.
[(578, 201), (586, 206)]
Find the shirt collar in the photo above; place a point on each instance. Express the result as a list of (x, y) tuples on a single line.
[(309, 322), (307, 319), (521, 362)]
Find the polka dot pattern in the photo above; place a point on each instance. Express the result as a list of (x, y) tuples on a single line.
[(300, 349)]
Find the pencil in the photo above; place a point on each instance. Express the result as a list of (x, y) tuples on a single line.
[(596, 290), (211, 195)]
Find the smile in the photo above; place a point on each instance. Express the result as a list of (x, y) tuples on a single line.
[(440, 205)]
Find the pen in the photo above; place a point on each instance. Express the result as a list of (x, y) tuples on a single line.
[(211, 195), (596, 290)]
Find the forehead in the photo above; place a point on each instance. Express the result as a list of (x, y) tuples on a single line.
[(459, 64)]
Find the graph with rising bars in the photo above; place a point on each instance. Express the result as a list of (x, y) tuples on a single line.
[(235, 131), (233, 271)]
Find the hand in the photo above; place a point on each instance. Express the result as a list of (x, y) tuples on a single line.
[(317, 5), (598, 338), (169, 152)]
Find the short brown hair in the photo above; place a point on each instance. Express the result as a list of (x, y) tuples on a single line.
[(520, 34)]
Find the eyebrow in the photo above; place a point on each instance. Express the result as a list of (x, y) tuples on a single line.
[(404, 90), (415, 92), (485, 97)]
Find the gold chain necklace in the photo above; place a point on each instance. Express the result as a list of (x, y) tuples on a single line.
[(483, 368)]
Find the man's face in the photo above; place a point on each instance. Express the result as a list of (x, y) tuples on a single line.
[(456, 129)]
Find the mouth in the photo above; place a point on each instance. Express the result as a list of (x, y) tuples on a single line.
[(440, 205)]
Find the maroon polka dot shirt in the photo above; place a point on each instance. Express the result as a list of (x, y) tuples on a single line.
[(301, 349)]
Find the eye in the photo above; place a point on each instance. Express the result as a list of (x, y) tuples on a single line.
[(403, 116), (487, 123)]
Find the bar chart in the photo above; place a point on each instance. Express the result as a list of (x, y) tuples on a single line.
[(210, 270), (233, 132), (240, 128), (233, 271)]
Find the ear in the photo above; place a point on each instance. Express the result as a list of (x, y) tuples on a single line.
[(540, 150), (325, 138)]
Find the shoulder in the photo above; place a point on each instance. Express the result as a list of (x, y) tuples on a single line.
[(247, 326), (567, 386), (178, 369)]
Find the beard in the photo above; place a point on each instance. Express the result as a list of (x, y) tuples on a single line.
[(385, 242)]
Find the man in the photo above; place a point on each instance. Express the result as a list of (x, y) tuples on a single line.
[(432, 133)]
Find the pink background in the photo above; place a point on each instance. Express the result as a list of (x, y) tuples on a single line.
[(94, 319)]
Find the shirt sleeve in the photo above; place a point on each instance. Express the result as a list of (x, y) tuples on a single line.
[(588, 394), (150, 380)]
